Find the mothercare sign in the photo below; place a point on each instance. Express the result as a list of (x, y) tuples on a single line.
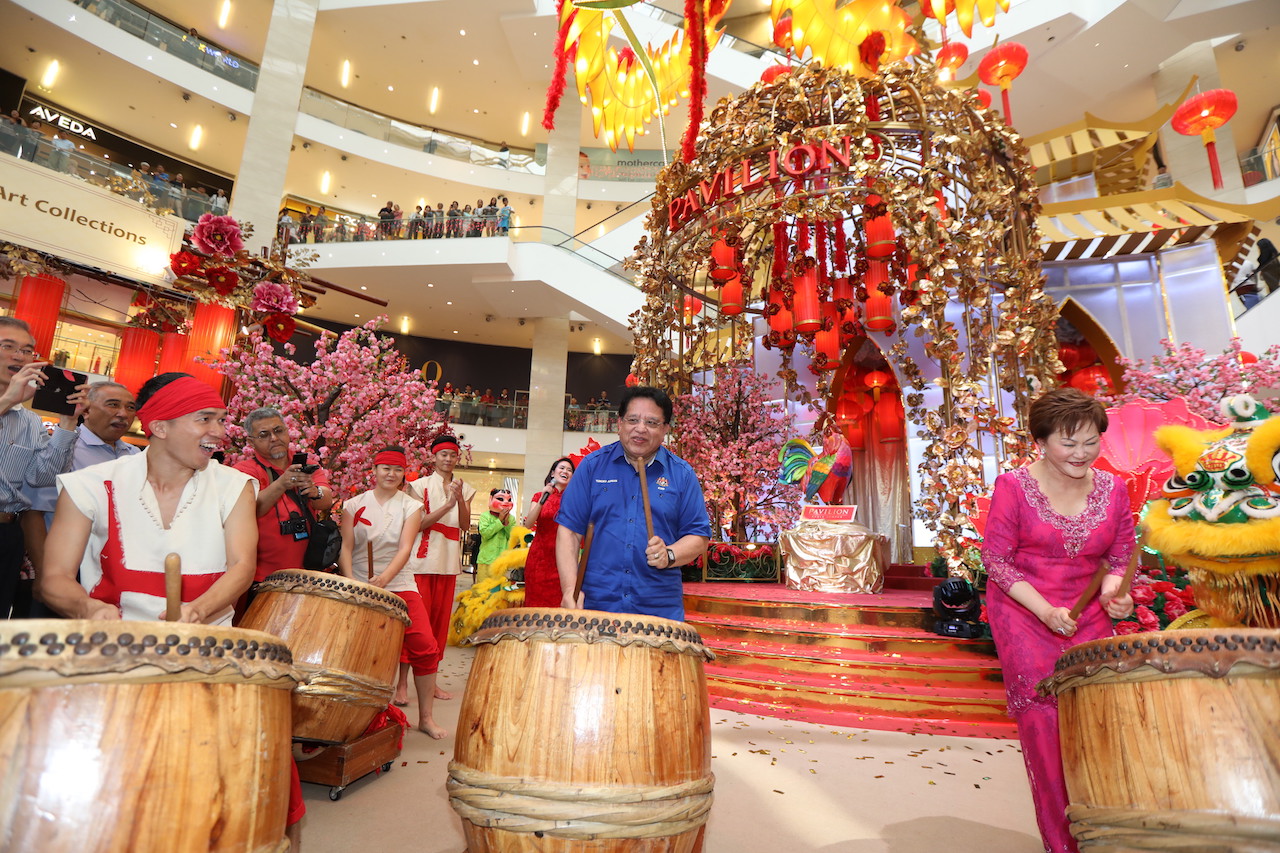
[(65, 216)]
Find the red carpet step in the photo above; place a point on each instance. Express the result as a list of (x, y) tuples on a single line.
[(864, 661)]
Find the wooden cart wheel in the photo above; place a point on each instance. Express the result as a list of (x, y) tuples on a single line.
[(335, 794)]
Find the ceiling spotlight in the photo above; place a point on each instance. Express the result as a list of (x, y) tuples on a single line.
[(186, 96), (306, 146), (231, 116)]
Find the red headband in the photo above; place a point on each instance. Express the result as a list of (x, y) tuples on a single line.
[(391, 457), (445, 445), (180, 397)]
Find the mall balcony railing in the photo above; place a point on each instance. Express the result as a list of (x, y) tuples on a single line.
[(160, 196), (1259, 284), (1260, 165), (469, 411)]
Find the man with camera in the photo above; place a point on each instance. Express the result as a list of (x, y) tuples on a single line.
[(291, 495), (29, 456)]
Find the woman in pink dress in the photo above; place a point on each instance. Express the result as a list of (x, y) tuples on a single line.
[(1051, 525), (541, 579)]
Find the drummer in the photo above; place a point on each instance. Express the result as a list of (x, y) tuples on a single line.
[(115, 522)]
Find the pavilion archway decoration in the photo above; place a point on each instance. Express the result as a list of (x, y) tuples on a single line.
[(843, 207)]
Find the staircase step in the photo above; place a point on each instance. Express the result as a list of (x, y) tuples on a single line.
[(884, 639), (783, 658), (845, 717)]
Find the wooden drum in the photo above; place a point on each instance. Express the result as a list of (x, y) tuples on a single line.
[(583, 732), (146, 737), (345, 636), (1170, 740)]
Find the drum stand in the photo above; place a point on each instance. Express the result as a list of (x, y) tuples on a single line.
[(338, 765)]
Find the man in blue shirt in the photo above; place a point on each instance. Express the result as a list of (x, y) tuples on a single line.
[(627, 571)]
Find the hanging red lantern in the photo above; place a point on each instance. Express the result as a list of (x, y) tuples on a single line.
[(173, 353), (890, 419), (879, 312), (876, 380), (855, 433), (731, 297), (826, 341), (137, 361), (1202, 115), (805, 305), (213, 328), (877, 274), (950, 58), (786, 339), (773, 72), (692, 305), (632, 380), (1000, 66), (1246, 358), (881, 239), (1091, 380), (39, 301), (724, 261), (780, 318), (782, 33), (1069, 355), (983, 96)]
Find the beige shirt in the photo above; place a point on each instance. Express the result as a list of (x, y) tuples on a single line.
[(438, 551)]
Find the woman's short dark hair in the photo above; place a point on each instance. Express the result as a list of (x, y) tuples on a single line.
[(657, 395), (1065, 410), (154, 384), (552, 470)]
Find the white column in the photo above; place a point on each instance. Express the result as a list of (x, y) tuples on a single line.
[(260, 180), (544, 440), (1185, 156), (560, 191)]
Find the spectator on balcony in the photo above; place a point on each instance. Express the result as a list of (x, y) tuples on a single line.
[(491, 218), (504, 154), (573, 414), (11, 132), (60, 156), (340, 229), (504, 217), (305, 223), (435, 223), (397, 221), (416, 223), (320, 225), (31, 141), (470, 222), (386, 219), (288, 232), (454, 219), (1268, 266), (160, 175), (219, 203)]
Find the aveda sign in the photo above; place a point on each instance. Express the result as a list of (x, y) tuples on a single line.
[(65, 122)]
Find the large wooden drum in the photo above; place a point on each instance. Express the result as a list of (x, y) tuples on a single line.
[(145, 737), (1171, 740), (345, 636), (583, 732)]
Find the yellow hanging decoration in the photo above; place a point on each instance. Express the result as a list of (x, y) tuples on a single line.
[(986, 10), (834, 35)]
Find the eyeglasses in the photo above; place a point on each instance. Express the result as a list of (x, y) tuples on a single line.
[(9, 348), (278, 432), (636, 420)]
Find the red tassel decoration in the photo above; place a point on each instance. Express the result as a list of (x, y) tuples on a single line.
[(555, 89), (781, 250), (802, 236), (842, 248), (824, 272), (696, 30)]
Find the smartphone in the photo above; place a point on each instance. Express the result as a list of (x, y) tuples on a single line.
[(301, 459), (59, 383)]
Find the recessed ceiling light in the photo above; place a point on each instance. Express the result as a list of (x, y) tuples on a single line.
[(357, 315), (455, 331), (430, 285), (174, 126), (475, 62), (448, 303), (391, 88), (362, 287), (464, 32)]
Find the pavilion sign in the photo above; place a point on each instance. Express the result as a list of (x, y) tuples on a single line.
[(65, 216)]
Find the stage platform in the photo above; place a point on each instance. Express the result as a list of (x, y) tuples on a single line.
[(853, 660)]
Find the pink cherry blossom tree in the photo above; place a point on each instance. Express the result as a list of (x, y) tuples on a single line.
[(731, 434), (1188, 372), (357, 395)]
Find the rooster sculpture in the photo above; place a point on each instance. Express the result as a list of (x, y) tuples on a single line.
[(823, 475)]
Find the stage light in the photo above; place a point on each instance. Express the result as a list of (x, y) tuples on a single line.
[(957, 605)]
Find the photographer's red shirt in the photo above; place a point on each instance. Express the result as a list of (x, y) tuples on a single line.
[(276, 550)]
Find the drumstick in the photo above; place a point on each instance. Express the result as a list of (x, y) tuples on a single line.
[(582, 560), (172, 588), (369, 545), (1090, 591), (644, 497), (1127, 580)]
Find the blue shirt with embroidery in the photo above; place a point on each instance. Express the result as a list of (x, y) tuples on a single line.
[(605, 490)]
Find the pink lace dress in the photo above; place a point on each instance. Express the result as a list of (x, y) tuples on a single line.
[(1027, 540)]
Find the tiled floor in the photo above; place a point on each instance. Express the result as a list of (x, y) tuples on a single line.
[(780, 786)]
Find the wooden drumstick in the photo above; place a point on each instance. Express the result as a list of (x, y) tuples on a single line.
[(172, 588), (1090, 591), (582, 560), (369, 545), (644, 498), (1127, 580)]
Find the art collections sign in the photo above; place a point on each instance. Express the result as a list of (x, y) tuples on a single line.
[(64, 216)]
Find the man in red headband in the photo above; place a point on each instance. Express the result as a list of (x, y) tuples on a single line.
[(437, 555), (116, 522)]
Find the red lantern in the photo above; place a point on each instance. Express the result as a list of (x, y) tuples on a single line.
[(877, 379), (805, 305), (173, 353), (1246, 358), (213, 327), (137, 362), (855, 433), (773, 72), (724, 261), (731, 297), (890, 418), (881, 239), (826, 342), (39, 301), (1000, 66), (877, 274), (780, 321), (950, 58), (1202, 115), (879, 312), (632, 380), (692, 305), (1069, 355), (782, 33), (1091, 380), (984, 97)]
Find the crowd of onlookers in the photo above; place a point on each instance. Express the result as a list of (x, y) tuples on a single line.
[(392, 223)]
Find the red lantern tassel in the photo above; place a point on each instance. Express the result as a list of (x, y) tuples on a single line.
[(555, 89), (842, 248), (1211, 148), (824, 273), (696, 30), (781, 250), (802, 236)]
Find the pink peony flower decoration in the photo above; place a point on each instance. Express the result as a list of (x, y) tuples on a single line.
[(272, 297), (217, 235)]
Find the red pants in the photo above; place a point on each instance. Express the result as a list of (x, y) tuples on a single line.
[(297, 808), (437, 599), (420, 649)]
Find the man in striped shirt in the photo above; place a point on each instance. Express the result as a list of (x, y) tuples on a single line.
[(29, 456)]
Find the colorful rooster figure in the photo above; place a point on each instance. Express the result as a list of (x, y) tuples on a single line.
[(1220, 514), (824, 476)]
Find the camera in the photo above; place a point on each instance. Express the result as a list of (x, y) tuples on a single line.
[(301, 459), (295, 525)]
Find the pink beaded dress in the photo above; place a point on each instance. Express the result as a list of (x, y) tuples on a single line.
[(1027, 540)]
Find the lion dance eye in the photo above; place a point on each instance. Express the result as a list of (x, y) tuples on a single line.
[(1237, 478), (1196, 481)]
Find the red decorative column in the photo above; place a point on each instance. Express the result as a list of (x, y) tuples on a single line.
[(137, 362), (213, 327), (173, 353), (39, 301)]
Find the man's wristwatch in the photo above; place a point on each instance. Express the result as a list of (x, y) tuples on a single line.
[(671, 558)]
